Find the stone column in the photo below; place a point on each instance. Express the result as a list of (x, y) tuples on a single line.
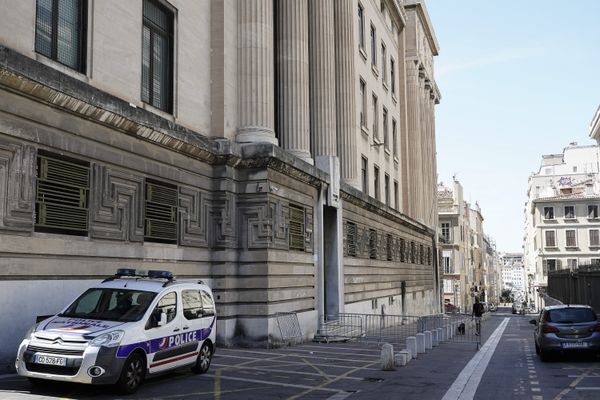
[(345, 90), (322, 78), (413, 95), (293, 82), (255, 72)]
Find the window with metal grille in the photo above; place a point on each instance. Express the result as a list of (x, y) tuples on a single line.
[(402, 250), (372, 244), (296, 231), (157, 56), (62, 191), (421, 255), (413, 253), (351, 238), (160, 212), (390, 249), (60, 31)]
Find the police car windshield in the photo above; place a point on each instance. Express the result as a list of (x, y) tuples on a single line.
[(110, 304)]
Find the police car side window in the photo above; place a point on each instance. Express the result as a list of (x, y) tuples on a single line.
[(168, 305), (192, 304), (208, 307)]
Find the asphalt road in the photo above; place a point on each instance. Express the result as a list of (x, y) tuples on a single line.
[(505, 367)]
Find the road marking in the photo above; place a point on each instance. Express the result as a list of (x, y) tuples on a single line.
[(217, 388), (298, 363), (340, 396), (231, 378), (465, 385), (587, 388), (574, 384), (320, 387), (298, 355), (228, 367)]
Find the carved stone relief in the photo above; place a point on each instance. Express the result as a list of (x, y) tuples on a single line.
[(193, 217), (116, 204), (17, 186)]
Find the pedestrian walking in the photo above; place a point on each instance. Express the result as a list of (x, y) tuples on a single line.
[(477, 313)]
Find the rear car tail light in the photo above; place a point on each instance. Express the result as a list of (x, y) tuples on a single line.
[(549, 329)]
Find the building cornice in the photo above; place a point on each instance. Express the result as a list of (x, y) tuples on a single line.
[(421, 10), (362, 200), (27, 77)]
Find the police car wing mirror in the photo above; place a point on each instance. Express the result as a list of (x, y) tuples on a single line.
[(163, 319)]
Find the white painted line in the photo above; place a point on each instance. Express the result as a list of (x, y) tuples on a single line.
[(231, 378), (534, 383), (253, 368), (280, 361), (376, 355), (301, 356), (536, 389), (465, 385), (588, 388), (340, 396)]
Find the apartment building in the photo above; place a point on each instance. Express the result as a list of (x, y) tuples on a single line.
[(281, 151), (561, 214)]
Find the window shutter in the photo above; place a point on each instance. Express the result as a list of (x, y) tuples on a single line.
[(296, 232), (160, 213), (351, 238), (62, 195)]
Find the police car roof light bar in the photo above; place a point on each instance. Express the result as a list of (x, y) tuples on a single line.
[(160, 274)]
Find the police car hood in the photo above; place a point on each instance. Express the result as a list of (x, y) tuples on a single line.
[(66, 326)]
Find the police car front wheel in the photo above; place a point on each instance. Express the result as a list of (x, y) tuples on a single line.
[(204, 358), (132, 375)]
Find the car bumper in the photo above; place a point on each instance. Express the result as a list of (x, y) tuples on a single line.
[(551, 342), (77, 368)]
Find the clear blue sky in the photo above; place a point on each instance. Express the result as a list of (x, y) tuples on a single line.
[(518, 79)]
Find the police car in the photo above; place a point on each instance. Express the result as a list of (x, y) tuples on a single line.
[(133, 324)]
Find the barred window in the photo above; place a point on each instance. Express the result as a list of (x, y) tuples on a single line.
[(402, 250), (390, 249), (413, 252), (62, 191), (157, 56), (421, 255), (372, 244), (160, 213), (351, 238), (60, 31), (296, 231)]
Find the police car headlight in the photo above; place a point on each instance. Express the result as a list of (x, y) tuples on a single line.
[(110, 339), (29, 334)]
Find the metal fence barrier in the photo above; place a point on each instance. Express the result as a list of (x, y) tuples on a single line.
[(394, 329)]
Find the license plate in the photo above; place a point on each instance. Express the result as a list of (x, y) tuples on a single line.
[(575, 345), (50, 360)]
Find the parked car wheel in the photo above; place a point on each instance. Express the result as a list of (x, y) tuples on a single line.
[(204, 358), (132, 375)]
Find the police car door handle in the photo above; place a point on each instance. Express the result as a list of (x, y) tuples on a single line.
[(186, 327), (176, 330)]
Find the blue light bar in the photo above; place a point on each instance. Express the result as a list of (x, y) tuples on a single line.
[(160, 274), (126, 272)]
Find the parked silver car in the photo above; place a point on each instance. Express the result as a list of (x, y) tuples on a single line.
[(566, 328)]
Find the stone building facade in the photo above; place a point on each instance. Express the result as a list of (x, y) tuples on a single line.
[(222, 140), (562, 224)]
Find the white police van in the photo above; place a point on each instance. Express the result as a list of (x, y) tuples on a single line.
[(132, 324)]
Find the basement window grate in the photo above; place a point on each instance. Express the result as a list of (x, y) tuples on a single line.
[(296, 231), (62, 190), (160, 213)]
